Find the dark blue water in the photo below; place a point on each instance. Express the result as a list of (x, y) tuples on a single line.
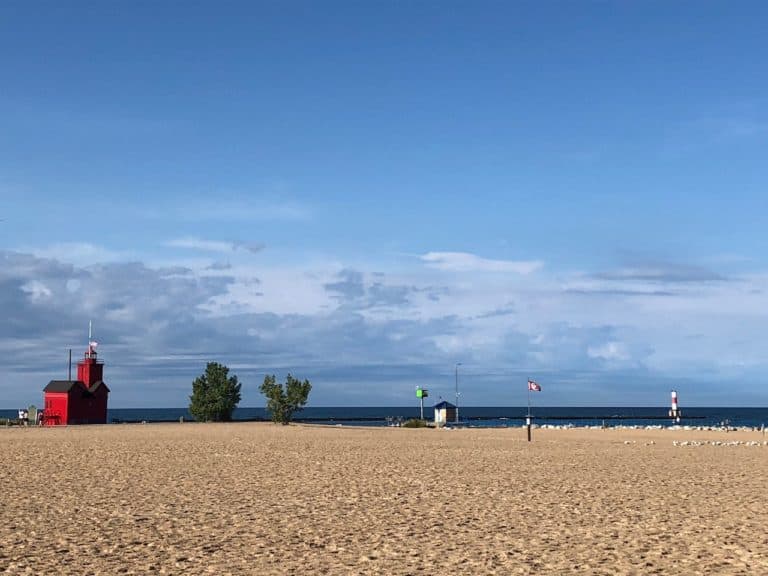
[(470, 416)]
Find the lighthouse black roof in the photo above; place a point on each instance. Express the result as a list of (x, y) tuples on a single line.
[(67, 385), (61, 385), (99, 384)]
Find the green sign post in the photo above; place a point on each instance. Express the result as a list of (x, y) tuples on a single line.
[(421, 393)]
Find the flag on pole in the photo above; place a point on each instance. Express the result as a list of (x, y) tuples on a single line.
[(533, 386)]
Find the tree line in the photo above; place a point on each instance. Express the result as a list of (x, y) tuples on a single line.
[(216, 394)]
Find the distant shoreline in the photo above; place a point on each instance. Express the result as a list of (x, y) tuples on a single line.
[(472, 416)]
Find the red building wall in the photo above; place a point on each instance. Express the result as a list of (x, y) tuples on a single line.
[(56, 408), (90, 371), (78, 406), (100, 406), (86, 407)]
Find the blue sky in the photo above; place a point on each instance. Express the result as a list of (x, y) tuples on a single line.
[(365, 193)]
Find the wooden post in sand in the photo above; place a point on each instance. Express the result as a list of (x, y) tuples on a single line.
[(528, 417), (528, 426)]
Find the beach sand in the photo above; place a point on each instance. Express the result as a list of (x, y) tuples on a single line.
[(254, 498)]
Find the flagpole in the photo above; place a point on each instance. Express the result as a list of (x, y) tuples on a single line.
[(529, 399), (528, 418)]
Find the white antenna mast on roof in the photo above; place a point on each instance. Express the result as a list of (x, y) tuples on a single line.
[(91, 343)]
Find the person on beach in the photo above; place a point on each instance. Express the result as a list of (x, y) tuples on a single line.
[(21, 416)]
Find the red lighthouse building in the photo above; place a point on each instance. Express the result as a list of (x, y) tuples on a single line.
[(81, 401)]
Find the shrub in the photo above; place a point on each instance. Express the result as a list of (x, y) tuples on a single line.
[(415, 423), (282, 402), (214, 395)]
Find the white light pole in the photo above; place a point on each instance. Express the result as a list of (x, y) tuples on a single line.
[(457, 391)]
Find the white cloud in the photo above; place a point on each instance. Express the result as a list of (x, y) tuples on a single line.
[(327, 317), (36, 290), (200, 244), (611, 351), (221, 246), (273, 291), (80, 253), (466, 262)]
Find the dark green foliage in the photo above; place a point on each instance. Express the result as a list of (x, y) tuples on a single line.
[(415, 423), (214, 394), (282, 402)]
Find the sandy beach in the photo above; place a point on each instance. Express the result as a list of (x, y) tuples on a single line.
[(253, 498)]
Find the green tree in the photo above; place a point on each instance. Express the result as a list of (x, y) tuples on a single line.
[(215, 394), (283, 402)]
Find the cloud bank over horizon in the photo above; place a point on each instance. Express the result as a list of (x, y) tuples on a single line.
[(366, 337)]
